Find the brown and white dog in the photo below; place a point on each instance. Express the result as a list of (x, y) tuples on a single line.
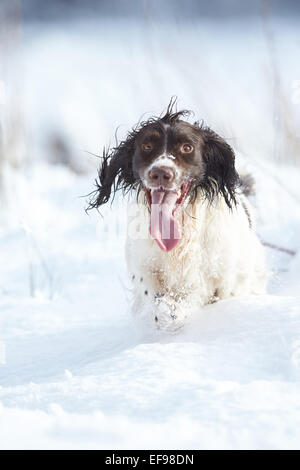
[(201, 245)]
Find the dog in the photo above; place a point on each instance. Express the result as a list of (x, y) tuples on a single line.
[(201, 246)]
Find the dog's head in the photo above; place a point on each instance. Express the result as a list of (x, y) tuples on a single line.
[(171, 160)]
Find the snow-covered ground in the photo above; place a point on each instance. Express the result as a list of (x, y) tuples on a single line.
[(77, 372)]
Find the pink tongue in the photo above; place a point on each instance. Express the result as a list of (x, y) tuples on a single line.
[(164, 228)]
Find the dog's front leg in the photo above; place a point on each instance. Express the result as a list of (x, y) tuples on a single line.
[(162, 306)]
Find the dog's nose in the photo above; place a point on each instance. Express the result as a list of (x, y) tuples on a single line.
[(161, 175)]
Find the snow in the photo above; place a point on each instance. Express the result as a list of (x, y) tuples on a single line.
[(78, 372)]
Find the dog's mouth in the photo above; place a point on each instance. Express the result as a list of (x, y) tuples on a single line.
[(164, 205)]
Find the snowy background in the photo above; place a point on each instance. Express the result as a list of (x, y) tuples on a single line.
[(76, 371)]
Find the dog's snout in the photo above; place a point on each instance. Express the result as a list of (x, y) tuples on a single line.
[(161, 175)]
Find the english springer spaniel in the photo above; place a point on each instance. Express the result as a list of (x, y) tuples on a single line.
[(200, 245)]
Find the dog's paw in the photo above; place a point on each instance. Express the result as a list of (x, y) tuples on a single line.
[(169, 315)]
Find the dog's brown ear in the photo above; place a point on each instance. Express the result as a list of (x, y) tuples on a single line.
[(114, 173), (220, 174)]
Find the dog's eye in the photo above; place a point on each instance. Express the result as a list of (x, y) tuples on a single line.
[(187, 148), (147, 147)]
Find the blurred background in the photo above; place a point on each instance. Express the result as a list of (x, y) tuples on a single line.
[(72, 72)]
